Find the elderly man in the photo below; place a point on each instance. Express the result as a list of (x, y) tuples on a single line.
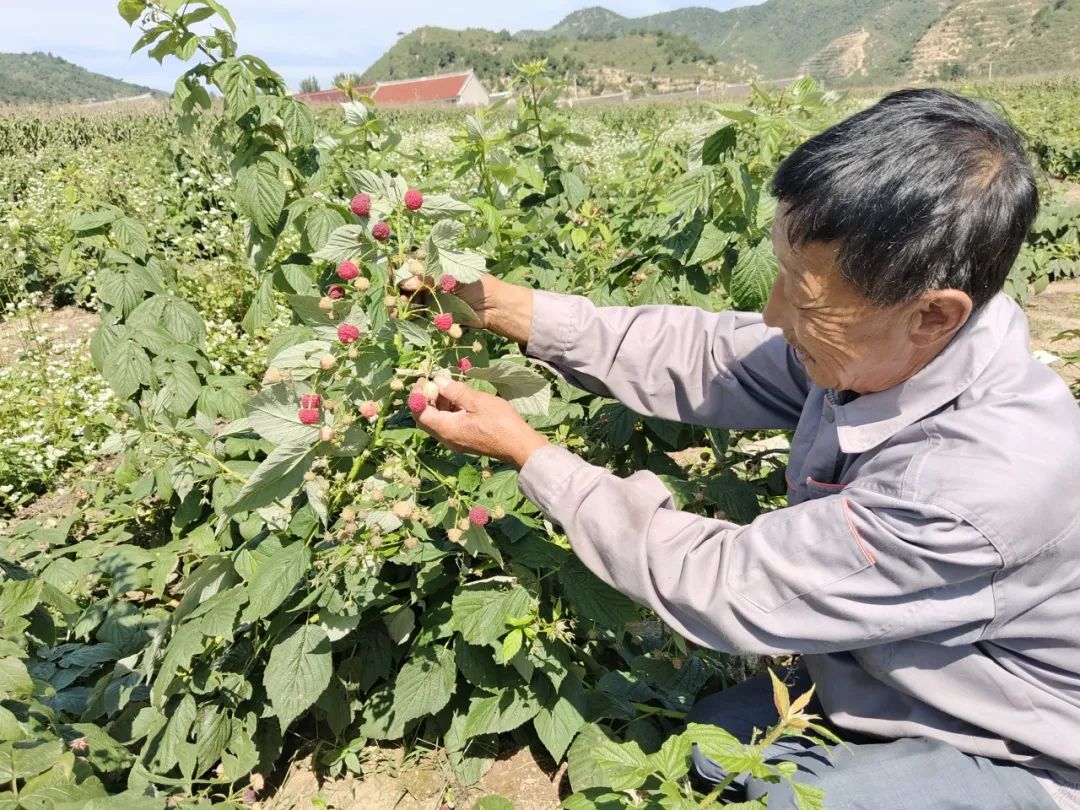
[(927, 567)]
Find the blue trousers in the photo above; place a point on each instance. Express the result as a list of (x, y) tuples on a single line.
[(906, 774)]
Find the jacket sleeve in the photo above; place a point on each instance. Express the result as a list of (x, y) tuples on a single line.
[(719, 369), (841, 572)]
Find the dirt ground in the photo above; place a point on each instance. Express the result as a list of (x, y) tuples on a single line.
[(1051, 312), (68, 324), (530, 783)]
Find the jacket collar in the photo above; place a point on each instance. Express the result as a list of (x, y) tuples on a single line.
[(871, 419)]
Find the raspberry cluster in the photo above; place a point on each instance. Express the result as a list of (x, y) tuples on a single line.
[(413, 199), (380, 231), (361, 205), (348, 333), (444, 321), (347, 271)]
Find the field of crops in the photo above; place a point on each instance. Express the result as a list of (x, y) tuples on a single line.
[(202, 584)]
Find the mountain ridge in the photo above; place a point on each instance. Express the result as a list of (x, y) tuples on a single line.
[(37, 77)]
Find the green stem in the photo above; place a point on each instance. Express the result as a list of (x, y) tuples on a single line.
[(645, 708)]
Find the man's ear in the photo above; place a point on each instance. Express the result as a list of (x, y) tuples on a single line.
[(938, 315)]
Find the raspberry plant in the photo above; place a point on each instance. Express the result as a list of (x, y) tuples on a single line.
[(312, 572)]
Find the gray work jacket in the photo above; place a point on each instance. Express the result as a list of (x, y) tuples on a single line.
[(928, 564)]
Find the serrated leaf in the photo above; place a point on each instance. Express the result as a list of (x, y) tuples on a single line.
[(274, 579), (121, 289), (260, 196), (345, 243), (355, 113), (131, 10), (501, 712), (235, 81), (438, 206), (479, 613), (175, 315), (557, 724), (298, 671), (273, 411), (625, 765), (425, 683), (524, 388), (463, 265), (319, 224), (127, 368), (131, 236), (594, 598), (752, 277), (94, 220), (298, 120), (476, 541), (279, 476), (444, 234), (179, 385)]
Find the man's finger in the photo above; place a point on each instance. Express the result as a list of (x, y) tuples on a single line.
[(459, 395), (443, 425)]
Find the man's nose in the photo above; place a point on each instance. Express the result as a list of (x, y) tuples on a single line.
[(775, 314)]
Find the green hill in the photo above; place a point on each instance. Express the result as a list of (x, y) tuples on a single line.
[(44, 78), (844, 41)]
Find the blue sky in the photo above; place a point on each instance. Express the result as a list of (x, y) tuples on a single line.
[(297, 37)]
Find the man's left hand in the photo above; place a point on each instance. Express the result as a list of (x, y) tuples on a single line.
[(471, 421)]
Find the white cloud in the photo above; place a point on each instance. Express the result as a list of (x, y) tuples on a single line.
[(297, 37)]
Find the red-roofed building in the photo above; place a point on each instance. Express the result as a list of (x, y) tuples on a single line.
[(333, 95), (454, 88)]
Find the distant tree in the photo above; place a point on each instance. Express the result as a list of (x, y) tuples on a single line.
[(309, 85), (346, 78)]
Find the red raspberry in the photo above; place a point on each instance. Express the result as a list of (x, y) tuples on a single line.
[(310, 401), (444, 321), (464, 364), (478, 516), (369, 409), (380, 231), (308, 416), (347, 271), (348, 333), (336, 292), (417, 402), (413, 199), (361, 205), (447, 283)]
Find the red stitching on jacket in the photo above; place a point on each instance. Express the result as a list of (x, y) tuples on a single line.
[(811, 480), (855, 532)]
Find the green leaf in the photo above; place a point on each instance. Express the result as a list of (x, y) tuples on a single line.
[(583, 769), (121, 289), (94, 220), (439, 206), (279, 476), (298, 121), (718, 144), (477, 542), (131, 10), (478, 613), (494, 802), (557, 724), (127, 368), (235, 81), (173, 314), (273, 414), (344, 244), (752, 277), (298, 671), (463, 265), (180, 386), (595, 599), (18, 760), (808, 797), (15, 681), (425, 683), (131, 236), (263, 307), (625, 765), (275, 578), (524, 388), (319, 224), (501, 712), (260, 196)]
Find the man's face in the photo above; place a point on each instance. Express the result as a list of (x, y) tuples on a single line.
[(845, 341)]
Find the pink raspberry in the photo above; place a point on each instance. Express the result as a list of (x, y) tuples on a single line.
[(310, 401), (336, 292), (347, 271), (464, 364), (417, 402), (447, 283), (380, 231), (308, 416), (361, 205), (369, 409), (478, 516), (413, 199), (348, 333), (444, 321)]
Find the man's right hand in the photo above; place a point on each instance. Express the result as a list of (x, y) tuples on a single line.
[(505, 309)]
